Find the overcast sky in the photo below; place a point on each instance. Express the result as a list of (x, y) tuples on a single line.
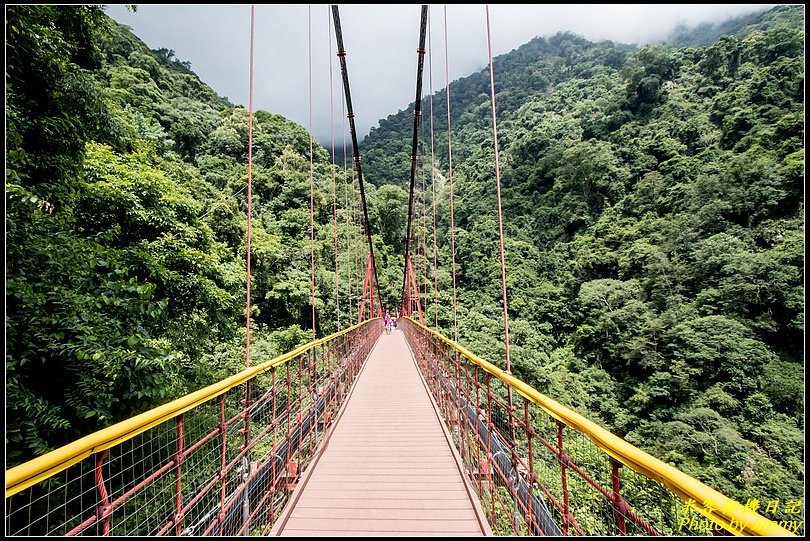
[(381, 43)]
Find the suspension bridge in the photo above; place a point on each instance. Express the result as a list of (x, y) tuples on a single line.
[(367, 433)]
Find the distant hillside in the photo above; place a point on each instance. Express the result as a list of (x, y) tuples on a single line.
[(535, 67)]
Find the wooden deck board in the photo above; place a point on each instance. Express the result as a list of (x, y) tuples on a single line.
[(387, 468)]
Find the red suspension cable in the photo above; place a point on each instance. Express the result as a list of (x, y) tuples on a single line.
[(311, 172), (450, 167), (360, 256), (509, 394), (421, 239), (433, 176), (249, 190), (498, 186), (423, 277), (334, 174), (349, 208)]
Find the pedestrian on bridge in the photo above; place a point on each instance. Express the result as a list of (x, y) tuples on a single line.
[(387, 322)]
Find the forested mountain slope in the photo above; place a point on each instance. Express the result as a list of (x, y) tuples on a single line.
[(126, 228), (654, 207)]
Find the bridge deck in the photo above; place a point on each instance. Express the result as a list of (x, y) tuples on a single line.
[(387, 468)]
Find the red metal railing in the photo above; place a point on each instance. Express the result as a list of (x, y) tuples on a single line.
[(541, 469), (221, 461)]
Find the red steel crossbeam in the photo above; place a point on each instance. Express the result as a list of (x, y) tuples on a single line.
[(411, 302), (367, 298)]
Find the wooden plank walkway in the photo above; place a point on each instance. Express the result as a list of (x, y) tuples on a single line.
[(387, 468)]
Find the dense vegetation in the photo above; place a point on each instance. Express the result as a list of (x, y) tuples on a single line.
[(654, 204), (654, 217), (125, 271)]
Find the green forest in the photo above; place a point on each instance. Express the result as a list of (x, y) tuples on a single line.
[(654, 215)]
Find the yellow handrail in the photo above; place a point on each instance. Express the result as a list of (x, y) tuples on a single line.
[(27, 474), (729, 514)]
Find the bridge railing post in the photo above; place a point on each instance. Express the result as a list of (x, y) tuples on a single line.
[(222, 473), (617, 498), (104, 510), (530, 522), (274, 463), (563, 461), (178, 468)]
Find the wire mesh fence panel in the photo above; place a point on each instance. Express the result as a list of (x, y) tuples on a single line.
[(221, 461)]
